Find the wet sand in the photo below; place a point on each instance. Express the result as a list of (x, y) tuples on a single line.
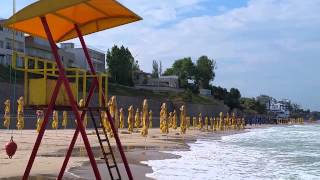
[(55, 144)]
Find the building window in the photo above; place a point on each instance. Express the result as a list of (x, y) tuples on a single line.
[(1, 28), (2, 59), (8, 45), (1, 44)]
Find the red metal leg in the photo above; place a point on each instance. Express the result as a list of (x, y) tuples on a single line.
[(72, 100), (114, 130), (42, 129), (91, 91), (75, 136), (89, 61)]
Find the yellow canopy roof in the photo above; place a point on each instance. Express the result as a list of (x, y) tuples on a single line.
[(90, 15)]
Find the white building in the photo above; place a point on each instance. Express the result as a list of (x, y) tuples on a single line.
[(37, 47), (280, 108), (205, 92), (7, 45), (40, 48), (98, 57), (164, 81)]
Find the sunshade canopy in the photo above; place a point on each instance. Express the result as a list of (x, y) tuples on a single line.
[(90, 15)]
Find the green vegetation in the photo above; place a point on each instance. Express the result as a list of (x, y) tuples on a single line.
[(155, 69), (205, 71), (231, 98), (202, 73), (252, 106), (184, 69), (121, 65), (187, 96), (120, 90)]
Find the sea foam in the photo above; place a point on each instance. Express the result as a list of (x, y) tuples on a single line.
[(274, 153)]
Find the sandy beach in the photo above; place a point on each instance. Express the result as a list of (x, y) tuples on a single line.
[(55, 143)]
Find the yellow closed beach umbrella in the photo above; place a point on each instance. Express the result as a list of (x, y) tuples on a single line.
[(164, 126), (85, 119), (145, 124), (20, 118), (40, 118), (161, 124), (137, 119), (170, 119), (239, 122), (183, 124), (145, 111), (106, 123), (64, 119), (188, 122), (194, 122), (130, 119), (200, 122), (174, 120), (211, 123), (233, 121), (6, 116), (215, 124), (150, 119), (206, 122), (221, 121), (227, 122), (55, 120), (243, 123), (113, 107), (145, 127), (121, 118)]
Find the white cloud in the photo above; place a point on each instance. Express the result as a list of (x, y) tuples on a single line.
[(266, 46), (249, 33), (264, 37)]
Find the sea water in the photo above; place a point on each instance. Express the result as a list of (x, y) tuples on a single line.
[(291, 152)]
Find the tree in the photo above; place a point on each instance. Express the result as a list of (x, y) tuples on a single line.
[(264, 99), (233, 99), (219, 92), (184, 69), (155, 69), (160, 68), (135, 66), (248, 105), (121, 65), (205, 71), (252, 106)]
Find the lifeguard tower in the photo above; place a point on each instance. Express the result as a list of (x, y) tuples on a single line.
[(57, 21)]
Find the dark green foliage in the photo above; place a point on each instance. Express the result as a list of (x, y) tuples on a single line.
[(219, 92), (184, 69), (121, 65), (202, 73), (252, 106), (296, 111), (264, 99), (187, 96), (155, 69), (233, 99), (205, 71)]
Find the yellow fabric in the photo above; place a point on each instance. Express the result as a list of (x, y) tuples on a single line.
[(91, 16), (6, 116)]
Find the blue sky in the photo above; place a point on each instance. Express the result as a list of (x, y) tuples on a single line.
[(261, 46)]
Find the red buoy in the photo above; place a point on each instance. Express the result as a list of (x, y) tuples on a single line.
[(11, 148)]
